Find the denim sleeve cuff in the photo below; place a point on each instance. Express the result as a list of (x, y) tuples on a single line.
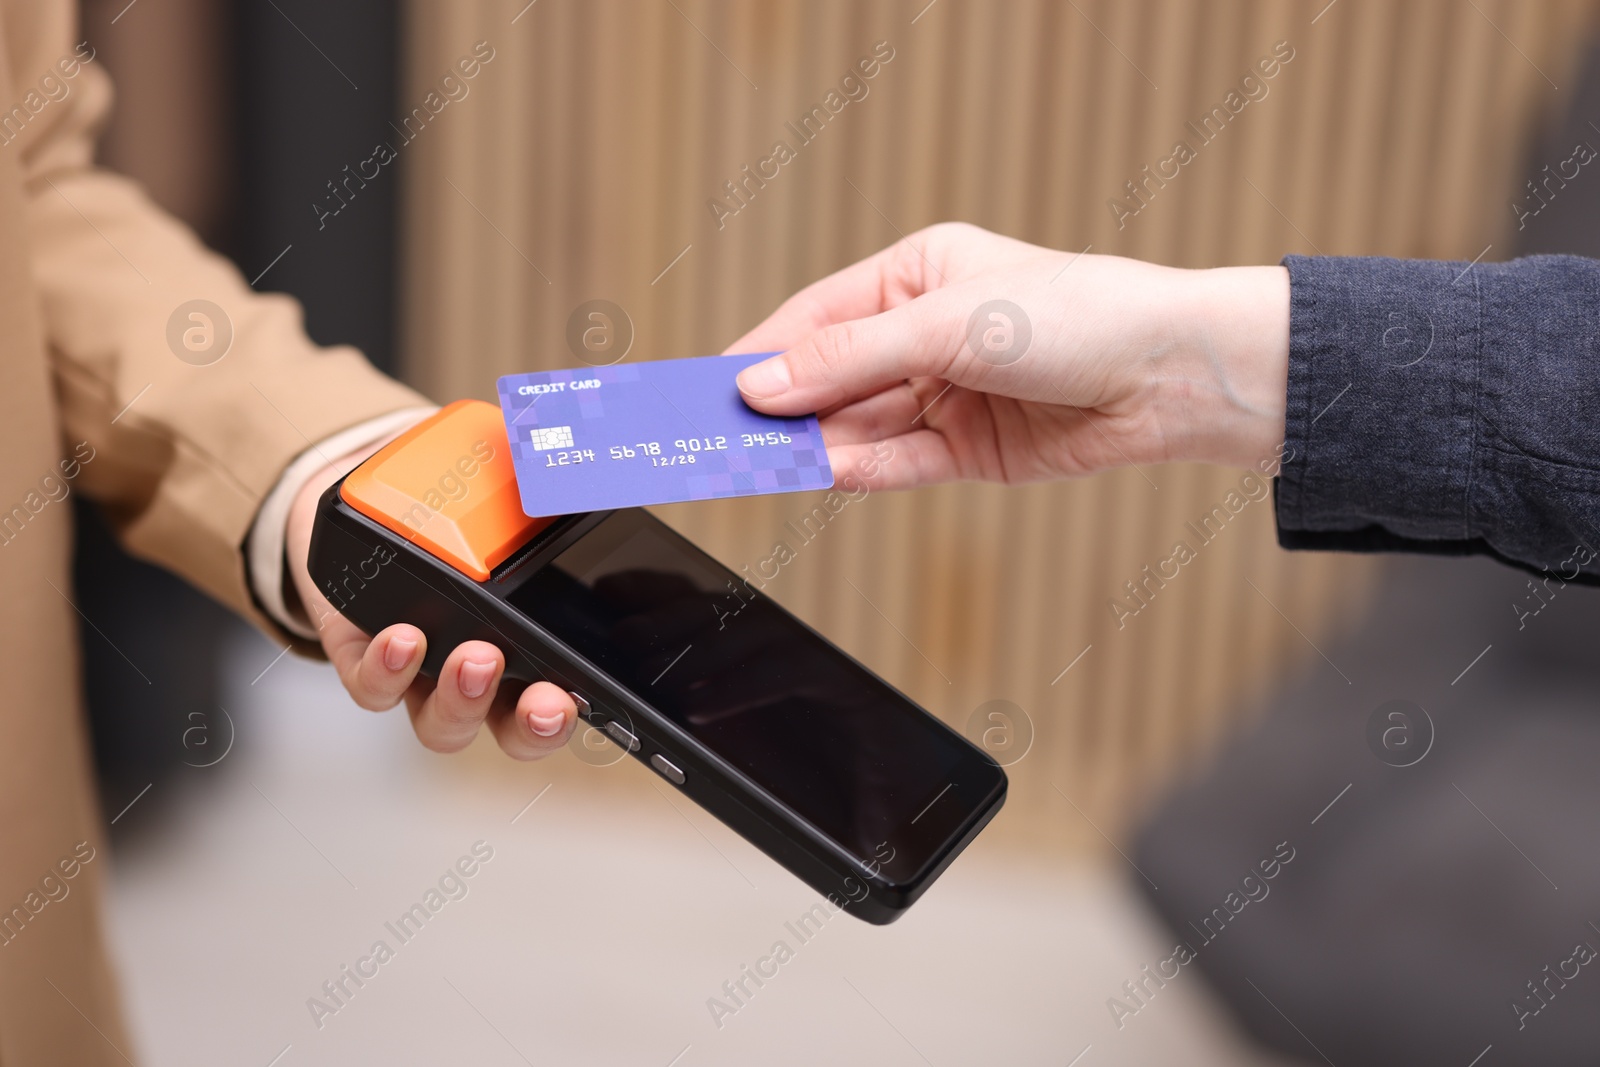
[(1380, 426), (1446, 408)]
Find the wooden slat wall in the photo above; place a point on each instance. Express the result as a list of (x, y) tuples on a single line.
[(583, 159)]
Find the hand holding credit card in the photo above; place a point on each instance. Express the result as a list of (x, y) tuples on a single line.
[(652, 433)]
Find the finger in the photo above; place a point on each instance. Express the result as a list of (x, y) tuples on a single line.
[(854, 359), (884, 414), (417, 695), (378, 672), (825, 412), (883, 280), (538, 723), (449, 718), (922, 457)]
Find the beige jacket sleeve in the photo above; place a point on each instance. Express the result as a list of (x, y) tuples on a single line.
[(185, 449)]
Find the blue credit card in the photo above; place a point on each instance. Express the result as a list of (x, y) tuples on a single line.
[(652, 433)]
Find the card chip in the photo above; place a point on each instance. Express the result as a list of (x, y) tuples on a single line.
[(551, 437)]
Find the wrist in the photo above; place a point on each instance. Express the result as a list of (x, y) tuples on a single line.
[(1228, 397), (303, 515)]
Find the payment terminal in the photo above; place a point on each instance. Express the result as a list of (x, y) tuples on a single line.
[(750, 713)]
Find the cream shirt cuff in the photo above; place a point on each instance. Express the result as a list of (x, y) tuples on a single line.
[(267, 534)]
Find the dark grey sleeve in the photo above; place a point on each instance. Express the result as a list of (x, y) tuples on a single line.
[(1445, 408)]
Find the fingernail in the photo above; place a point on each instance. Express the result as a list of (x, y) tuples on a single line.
[(766, 379), (474, 679), (397, 653), (546, 725)]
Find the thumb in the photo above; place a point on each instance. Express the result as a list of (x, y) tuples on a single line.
[(853, 359)]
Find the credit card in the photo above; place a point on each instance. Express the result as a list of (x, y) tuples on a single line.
[(652, 433)]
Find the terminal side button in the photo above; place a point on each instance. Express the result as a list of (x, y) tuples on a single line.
[(667, 769), (622, 736)]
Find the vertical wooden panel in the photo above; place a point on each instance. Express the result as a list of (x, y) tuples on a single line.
[(593, 143)]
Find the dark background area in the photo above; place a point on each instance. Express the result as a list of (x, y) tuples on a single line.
[(238, 136)]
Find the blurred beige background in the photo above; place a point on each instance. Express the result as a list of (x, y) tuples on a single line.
[(579, 167), (582, 166)]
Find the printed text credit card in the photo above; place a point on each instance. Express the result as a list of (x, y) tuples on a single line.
[(651, 433)]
